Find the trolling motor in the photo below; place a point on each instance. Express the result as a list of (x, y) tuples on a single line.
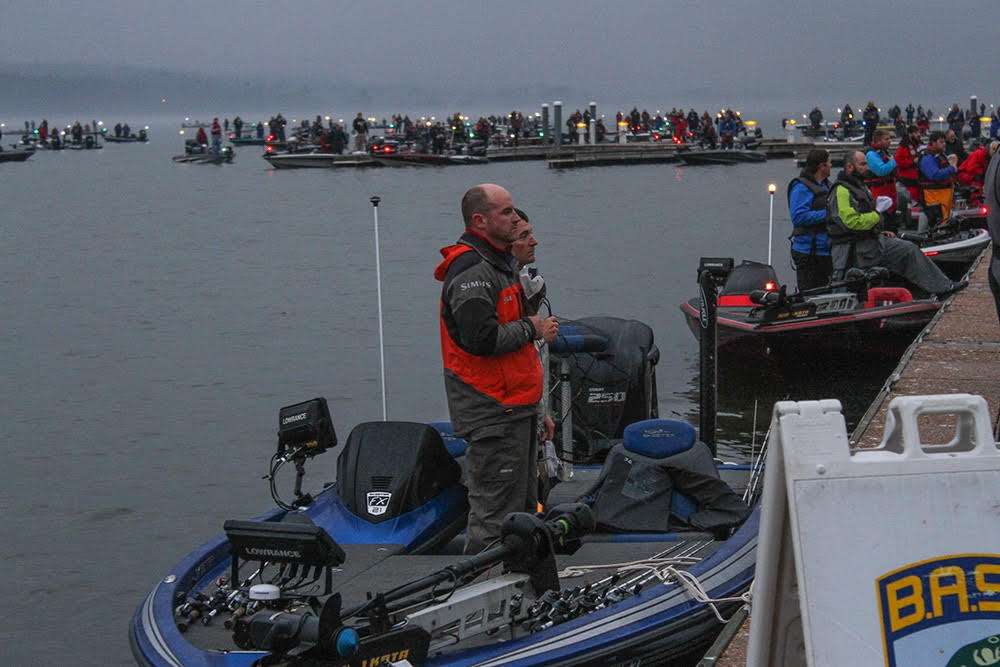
[(712, 274), (527, 549), (305, 430)]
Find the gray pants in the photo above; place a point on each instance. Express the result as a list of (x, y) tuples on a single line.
[(901, 257), (501, 472)]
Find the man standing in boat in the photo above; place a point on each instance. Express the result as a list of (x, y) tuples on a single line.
[(856, 241), (881, 178), (807, 198), (492, 374), (937, 174)]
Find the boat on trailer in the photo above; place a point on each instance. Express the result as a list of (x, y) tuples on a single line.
[(370, 570)]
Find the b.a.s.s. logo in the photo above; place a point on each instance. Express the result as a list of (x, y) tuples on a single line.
[(942, 611)]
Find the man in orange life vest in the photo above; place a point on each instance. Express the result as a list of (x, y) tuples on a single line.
[(492, 374)]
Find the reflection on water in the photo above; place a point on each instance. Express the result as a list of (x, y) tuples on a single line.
[(746, 387)]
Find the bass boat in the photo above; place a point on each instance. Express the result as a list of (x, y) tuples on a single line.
[(318, 160), (757, 316), (369, 570), (197, 154), (15, 156)]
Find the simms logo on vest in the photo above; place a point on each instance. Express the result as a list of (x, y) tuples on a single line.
[(294, 418), (476, 283), (947, 606), (273, 553)]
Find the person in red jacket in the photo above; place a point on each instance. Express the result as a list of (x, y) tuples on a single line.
[(492, 374), (201, 137), (906, 162), (972, 171)]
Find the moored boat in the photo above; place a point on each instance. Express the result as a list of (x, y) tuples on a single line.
[(370, 570), (318, 160), (757, 317), (15, 156), (723, 157)]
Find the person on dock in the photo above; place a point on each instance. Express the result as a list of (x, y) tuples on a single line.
[(492, 373), (118, 129), (991, 197), (238, 127), (856, 239), (937, 174), (871, 118), (216, 136), (201, 137), (909, 113), (360, 126), (807, 204), (815, 118), (955, 119), (995, 124), (881, 177)]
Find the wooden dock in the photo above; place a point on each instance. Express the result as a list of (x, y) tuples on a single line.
[(958, 352), (588, 155)]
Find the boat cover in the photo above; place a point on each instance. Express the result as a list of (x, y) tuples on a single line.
[(614, 387), (389, 468), (660, 478)]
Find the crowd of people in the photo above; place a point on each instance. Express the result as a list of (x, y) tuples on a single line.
[(852, 221), (964, 123)]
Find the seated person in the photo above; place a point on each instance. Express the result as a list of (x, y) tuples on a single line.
[(856, 241)]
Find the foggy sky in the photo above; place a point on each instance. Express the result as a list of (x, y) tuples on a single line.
[(753, 52)]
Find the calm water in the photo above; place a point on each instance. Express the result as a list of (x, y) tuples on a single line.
[(157, 315)]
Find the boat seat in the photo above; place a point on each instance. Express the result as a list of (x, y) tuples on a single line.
[(658, 439), (573, 338), (455, 445), (883, 296)]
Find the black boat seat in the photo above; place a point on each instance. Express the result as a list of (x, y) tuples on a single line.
[(455, 445), (573, 338)]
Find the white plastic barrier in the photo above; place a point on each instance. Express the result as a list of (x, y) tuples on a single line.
[(888, 556)]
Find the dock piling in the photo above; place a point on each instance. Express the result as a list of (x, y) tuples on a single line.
[(557, 122)]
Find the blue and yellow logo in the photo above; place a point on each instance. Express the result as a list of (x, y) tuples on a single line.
[(916, 601)]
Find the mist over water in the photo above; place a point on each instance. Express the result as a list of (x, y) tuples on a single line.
[(157, 316)]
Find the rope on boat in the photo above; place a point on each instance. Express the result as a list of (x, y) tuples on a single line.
[(667, 571)]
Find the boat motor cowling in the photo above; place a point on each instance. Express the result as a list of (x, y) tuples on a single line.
[(389, 468)]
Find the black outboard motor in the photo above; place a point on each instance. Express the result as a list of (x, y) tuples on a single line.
[(389, 468), (613, 388)]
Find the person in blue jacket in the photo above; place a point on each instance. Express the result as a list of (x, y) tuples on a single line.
[(937, 178), (807, 197)]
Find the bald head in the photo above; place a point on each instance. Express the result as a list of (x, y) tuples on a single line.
[(477, 200), (488, 209)]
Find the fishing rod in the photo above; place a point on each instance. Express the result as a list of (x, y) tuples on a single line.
[(375, 199)]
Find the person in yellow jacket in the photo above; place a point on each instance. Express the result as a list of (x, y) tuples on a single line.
[(856, 240)]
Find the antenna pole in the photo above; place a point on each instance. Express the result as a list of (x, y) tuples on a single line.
[(375, 199), (770, 221)]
